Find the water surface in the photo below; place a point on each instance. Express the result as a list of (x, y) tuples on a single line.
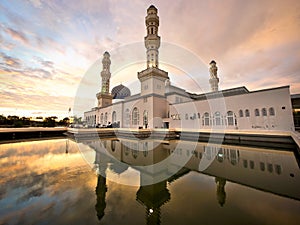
[(109, 182)]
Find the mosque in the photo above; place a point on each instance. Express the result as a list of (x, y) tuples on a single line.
[(163, 105)]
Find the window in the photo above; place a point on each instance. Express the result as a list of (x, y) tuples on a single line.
[(245, 163), (278, 169), (134, 153), (264, 112), (135, 116), (127, 117), (270, 167), (101, 118), (262, 166), (234, 157), (230, 119), (198, 115), (218, 118), (114, 117), (113, 145), (145, 118), (247, 113), (251, 164), (105, 118), (186, 116), (241, 114), (271, 111), (256, 112), (205, 121)]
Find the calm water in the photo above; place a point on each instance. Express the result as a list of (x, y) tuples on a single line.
[(128, 182)]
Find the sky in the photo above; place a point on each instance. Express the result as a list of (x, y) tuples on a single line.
[(51, 51)]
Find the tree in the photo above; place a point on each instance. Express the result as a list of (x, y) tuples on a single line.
[(49, 121), (64, 122)]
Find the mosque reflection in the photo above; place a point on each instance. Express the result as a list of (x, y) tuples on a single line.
[(161, 163)]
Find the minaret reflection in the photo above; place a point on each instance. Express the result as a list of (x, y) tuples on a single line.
[(221, 194), (101, 188), (67, 146), (153, 197)]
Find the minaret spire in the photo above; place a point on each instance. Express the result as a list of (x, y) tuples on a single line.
[(105, 73), (152, 40), (214, 80), (104, 97)]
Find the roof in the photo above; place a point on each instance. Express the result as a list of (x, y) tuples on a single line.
[(223, 93)]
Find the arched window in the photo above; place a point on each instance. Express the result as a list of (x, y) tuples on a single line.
[(218, 118), (186, 116), (145, 118), (241, 114), (135, 116), (234, 156), (256, 112), (114, 117), (101, 118), (230, 118), (271, 111), (105, 118), (247, 113), (264, 112), (135, 153), (113, 145), (205, 119), (145, 149), (127, 116), (198, 115)]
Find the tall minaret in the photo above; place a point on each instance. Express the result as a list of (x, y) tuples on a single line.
[(105, 73), (153, 79), (214, 80), (104, 97), (152, 40)]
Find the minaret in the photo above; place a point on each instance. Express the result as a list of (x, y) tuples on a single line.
[(152, 40), (214, 80), (104, 97), (153, 79), (105, 74)]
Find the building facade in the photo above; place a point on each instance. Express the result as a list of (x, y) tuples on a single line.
[(162, 105)]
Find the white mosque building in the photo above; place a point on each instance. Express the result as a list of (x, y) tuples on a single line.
[(162, 105)]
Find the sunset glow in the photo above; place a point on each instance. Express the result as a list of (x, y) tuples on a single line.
[(47, 46)]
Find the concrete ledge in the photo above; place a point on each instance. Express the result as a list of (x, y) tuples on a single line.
[(31, 132)]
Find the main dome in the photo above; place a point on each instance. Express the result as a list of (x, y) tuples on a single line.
[(120, 92)]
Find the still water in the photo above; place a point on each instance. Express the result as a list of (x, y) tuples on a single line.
[(128, 182)]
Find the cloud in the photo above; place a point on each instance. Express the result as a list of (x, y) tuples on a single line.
[(49, 45), (17, 35), (10, 61), (45, 63)]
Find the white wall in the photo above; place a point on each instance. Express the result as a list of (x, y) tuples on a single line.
[(276, 98)]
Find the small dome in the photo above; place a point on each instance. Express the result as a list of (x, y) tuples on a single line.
[(152, 7), (120, 92), (212, 62)]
